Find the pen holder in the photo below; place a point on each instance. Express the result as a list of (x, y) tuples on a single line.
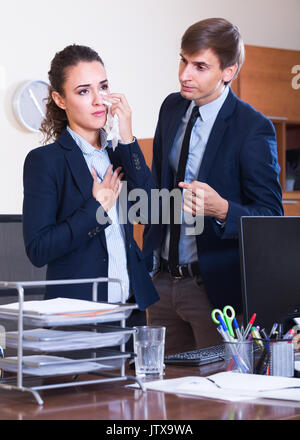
[(282, 360), (274, 357), (239, 356)]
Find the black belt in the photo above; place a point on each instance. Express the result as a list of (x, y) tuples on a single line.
[(183, 270)]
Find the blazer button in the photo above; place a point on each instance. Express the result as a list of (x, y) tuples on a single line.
[(90, 234), (97, 229)]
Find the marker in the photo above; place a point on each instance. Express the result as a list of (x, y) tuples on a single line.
[(257, 338), (289, 334), (248, 328)]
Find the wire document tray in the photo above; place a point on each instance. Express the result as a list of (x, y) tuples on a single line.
[(74, 325)]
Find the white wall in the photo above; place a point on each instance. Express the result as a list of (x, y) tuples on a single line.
[(139, 41)]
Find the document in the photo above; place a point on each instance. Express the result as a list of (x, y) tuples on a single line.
[(42, 340), (49, 365), (59, 306), (231, 386), (66, 311)]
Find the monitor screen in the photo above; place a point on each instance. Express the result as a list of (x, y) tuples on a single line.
[(270, 269)]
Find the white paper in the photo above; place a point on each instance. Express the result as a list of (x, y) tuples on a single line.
[(58, 306), (42, 340), (231, 386), (50, 366)]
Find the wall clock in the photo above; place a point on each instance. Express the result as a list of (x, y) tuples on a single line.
[(29, 103)]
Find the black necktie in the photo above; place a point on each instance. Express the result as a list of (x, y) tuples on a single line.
[(180, 175)]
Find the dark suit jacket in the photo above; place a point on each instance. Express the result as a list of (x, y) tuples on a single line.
[(240, 163), (59, 219)]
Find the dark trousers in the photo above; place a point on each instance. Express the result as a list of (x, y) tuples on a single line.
[(185, 310)]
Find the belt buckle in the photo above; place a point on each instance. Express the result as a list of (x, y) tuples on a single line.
[(180, 277)]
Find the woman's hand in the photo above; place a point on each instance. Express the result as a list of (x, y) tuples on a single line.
[(120, 107), (108, 191)]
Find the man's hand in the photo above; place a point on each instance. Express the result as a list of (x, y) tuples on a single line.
[(201, 198)]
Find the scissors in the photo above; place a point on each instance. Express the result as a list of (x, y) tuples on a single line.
[(227, 317)]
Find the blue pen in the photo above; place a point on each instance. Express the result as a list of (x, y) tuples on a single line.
[(237, 330), (224, 328), (226, 336)]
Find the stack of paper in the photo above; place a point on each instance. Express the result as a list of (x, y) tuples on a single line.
[(45, 365), (64, 311), (59, 306), (41, 340)]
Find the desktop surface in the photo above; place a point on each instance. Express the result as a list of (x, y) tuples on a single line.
[(111, 402)]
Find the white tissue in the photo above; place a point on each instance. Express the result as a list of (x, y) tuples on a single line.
[(112, 125)]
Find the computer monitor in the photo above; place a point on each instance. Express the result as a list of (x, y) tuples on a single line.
[(14, 263), (270, 269)]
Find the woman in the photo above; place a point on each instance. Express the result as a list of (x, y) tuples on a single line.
[(71, 183)]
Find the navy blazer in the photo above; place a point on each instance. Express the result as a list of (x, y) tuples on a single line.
[(240, 163), (59, 219)]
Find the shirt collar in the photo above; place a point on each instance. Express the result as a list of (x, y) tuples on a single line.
[(210, 110), (85, 146)]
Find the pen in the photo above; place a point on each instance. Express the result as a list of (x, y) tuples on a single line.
[(273, 330), (237, 330), (243, 368), (248, 328), (264, 333), (224, 330)]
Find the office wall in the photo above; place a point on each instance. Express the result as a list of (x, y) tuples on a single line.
[(139, 42)]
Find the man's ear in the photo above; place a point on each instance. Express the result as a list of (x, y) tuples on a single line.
[(229, 73), (59, 101)]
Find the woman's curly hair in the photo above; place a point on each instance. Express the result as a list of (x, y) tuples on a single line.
[(56, 119)]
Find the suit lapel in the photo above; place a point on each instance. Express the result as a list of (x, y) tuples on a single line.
[(212, 146), (216, 136), (77, 164)]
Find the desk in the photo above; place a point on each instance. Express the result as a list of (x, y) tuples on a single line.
[(115, 402)]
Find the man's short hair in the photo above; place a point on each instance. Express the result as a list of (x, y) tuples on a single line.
[(219, 35)]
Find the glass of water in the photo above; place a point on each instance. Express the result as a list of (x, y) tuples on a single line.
[(149, 347)]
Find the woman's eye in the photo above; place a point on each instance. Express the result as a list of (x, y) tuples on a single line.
[(83, 92), (104, 87)]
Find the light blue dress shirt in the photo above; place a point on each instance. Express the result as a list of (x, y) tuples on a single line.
[(199, 137), (114, 233)]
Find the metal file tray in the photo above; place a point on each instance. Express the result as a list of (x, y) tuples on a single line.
[(51, 340), (44, 365), (101, 363)]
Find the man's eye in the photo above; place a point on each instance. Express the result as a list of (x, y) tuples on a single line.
[(104, 87)]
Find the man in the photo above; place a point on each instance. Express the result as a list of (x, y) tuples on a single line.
[(231, 170)]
